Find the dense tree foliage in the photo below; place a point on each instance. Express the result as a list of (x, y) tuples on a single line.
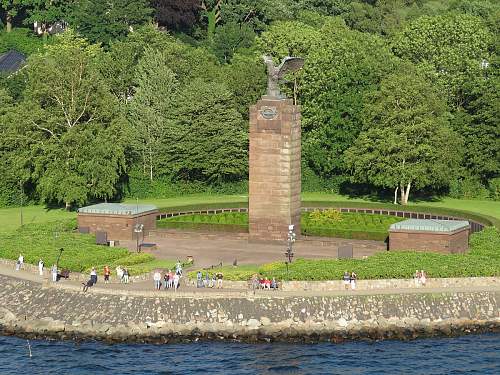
[(395, 94)]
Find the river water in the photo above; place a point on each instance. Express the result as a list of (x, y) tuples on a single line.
[(475, 354)]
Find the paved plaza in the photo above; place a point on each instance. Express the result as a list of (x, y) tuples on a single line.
[(211, 249)]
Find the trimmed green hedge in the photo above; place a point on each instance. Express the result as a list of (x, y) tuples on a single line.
[(352, 225), (480, 218), (483, 259)]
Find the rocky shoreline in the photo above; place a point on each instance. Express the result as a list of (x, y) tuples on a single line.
[(32, 311), (253, 332)]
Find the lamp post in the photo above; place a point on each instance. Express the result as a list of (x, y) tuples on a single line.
[(59, 257), (138, 228), (289, 246), (21, 190)]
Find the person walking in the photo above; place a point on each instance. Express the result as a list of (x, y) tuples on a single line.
[(219, 276), (21, 261), (354, 277), (40, 267), (178, 268), (126, 275), (93, 276), (119, 273), (107, 273), (54, 273), (347, 280), (157, 279), (177, 279)]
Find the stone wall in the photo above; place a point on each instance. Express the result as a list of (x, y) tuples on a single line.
[(32, 311), (439, 242), (118, 227)]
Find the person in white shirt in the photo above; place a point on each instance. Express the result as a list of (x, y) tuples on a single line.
[(157, 279), (54, 273), (176, 281), (21, 261), (40, 267)]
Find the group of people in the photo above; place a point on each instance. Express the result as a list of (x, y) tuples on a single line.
[(122, 274), (207, 281), (350, 280), (170, 280), (420, 278), (260, 282)]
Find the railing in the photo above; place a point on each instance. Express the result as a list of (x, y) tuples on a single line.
[(474, 225)]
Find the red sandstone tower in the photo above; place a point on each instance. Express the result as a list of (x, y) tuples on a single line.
[(275, 176)]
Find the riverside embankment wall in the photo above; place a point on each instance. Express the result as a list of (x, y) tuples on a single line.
[(29, 310)]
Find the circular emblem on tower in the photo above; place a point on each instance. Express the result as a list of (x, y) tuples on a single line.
[(269, 113)]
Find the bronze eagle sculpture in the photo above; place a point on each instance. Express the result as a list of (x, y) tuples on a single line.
[(275, 74)]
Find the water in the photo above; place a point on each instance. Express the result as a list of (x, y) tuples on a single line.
[(464, 355)]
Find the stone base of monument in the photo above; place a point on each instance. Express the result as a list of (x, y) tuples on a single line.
[(274, 176)]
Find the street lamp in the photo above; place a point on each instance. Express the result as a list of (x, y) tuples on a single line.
[(289, 243), (59, 257), (289, 246), (138, 228)]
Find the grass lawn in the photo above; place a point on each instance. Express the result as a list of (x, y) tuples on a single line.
[(43, 241), (490, 208), (10, 217)]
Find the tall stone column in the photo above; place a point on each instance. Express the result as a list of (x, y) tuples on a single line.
[(275, 176)]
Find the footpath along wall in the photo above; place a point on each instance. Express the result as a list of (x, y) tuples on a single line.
[(29, 310)]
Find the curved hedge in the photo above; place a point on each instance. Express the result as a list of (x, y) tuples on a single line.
[(483, 219)]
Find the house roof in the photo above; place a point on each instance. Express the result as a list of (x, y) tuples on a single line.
[(117, 209), (430, 225), (11, 61)]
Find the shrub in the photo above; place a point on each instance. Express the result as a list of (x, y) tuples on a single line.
[(494, 188)]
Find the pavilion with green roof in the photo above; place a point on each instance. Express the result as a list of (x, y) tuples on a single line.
[(443, 236), (119, 221)]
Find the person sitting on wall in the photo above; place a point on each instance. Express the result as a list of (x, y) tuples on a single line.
[(219, 276), (274, 284)]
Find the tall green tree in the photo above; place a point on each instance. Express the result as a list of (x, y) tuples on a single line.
[(407, 142), (152, 110), (76, 129), (343, 67), (212, 139)]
